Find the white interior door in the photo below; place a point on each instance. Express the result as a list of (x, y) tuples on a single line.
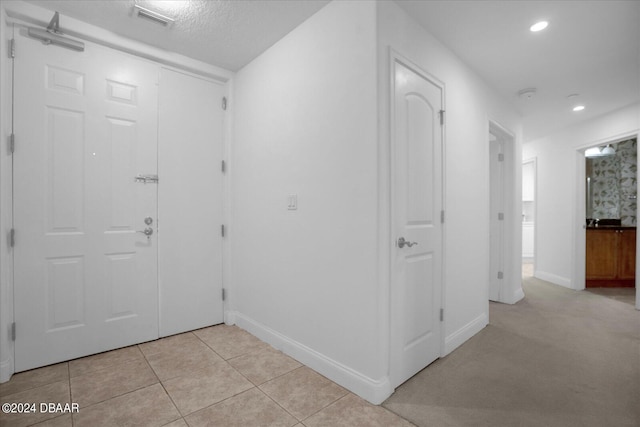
[(497, 204), (86, 125), (416, 290), (191, 134)]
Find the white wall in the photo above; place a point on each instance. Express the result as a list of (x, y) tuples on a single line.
[(305, 124), (315, 282), (469, 104), (558, 224)]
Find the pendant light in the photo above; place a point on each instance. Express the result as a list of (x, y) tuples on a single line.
[(608, 151), (600, 152)]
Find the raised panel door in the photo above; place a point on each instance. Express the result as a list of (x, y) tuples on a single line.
[(86, 125), (417, 203)]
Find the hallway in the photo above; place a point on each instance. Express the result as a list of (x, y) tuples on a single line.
[(557, 358)]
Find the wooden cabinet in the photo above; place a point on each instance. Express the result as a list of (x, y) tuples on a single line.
[(611, 257), (627, 262)]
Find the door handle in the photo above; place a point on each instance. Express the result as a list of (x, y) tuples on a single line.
[(402, 243), (147, 232)]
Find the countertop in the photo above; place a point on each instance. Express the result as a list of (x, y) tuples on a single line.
[(611, 227)]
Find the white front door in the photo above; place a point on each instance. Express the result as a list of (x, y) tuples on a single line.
[(85, 278), (190, 205), (416, 288)]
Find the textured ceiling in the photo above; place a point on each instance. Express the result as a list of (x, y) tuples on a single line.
[(590, 47), (226, 33)]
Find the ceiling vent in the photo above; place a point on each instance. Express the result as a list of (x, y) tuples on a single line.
[(158, 18)]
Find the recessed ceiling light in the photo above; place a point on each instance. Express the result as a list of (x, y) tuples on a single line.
[(578, 108), (539, 26)]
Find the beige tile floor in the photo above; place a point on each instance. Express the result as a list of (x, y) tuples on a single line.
[(218, 376)]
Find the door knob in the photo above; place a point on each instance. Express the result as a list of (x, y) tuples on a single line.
[(402, 242), (147, 232)]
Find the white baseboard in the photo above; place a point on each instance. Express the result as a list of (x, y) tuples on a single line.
[(553, 278), (374, 391), (460, 336), (6, 370)]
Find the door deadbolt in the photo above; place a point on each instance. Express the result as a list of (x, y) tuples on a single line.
[(148, 220)]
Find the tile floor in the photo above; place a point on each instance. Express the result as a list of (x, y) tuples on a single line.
[(217, 376)]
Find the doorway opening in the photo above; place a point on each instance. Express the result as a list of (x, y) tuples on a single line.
[(610, 194), (529, 171)]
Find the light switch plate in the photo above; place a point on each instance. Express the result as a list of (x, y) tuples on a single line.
[(292, 204)]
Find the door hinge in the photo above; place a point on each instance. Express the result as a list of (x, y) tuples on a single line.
[(12, 48), (500, 216), (500, 157), (12, 237), (224, 294), (441, 117), (442, 217), (13, 331), (500, 274), (223, 166), (442, 314), (224, 103), (12, 143), (222, 230)]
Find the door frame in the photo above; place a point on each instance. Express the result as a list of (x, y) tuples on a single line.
[(28, 15), (6, 203), (497, 203), (578, 278), (396, 57)]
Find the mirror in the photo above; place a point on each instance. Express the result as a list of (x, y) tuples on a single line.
[(611, 187)]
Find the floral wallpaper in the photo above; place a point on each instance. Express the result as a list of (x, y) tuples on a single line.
[(613, 183)]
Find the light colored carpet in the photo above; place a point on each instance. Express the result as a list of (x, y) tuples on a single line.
[(626, 295), (557, 358)]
